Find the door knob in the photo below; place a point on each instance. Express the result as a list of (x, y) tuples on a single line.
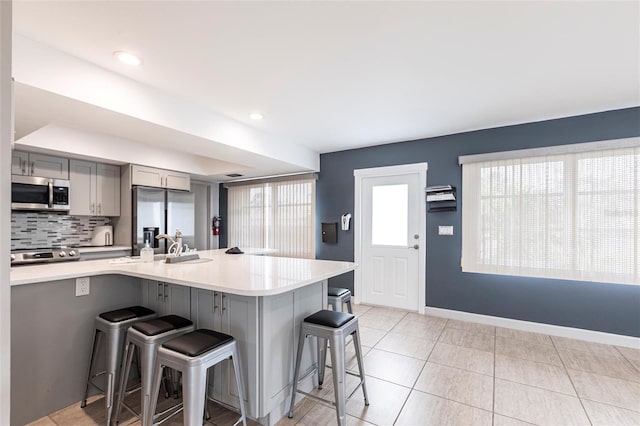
[(415, 247)]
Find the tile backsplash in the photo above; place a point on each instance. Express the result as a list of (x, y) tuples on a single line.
[(31, 230)]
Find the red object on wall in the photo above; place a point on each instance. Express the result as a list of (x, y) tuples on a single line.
[(215, 225)]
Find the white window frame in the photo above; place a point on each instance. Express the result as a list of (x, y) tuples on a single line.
[(269, 230), (567, 152)]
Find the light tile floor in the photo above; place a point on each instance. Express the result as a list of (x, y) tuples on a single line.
[(424, 370)]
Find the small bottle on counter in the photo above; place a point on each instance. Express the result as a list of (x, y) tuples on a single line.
[(146, 253)]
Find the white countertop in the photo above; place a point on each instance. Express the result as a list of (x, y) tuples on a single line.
[(243, 274)]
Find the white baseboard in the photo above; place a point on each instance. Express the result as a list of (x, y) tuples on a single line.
[(536, 327)]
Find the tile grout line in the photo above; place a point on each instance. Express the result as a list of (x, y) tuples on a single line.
[(421, 370), (626, 359), (528, 359), (462, 369), (586, 413), (584, 370)]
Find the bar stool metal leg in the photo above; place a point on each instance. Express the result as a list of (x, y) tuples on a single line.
[(193, 391), (322, 360), (339, 377), (333, 327), (296, 370), (356, 344), (349, 309), (237, 368), (127, 359), (97, 337)]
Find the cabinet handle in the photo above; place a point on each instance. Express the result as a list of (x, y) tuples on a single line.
[(93, 208), (23, 166), (222, 297), (99, 208), (160, 288), (215, 295), (33, 167), (166, 293)]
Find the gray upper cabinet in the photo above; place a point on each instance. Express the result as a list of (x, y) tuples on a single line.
[(33, 164), (159, 178), (95, 189)]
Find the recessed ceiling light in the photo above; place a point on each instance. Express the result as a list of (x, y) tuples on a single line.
[(127, 58), (256, 116)]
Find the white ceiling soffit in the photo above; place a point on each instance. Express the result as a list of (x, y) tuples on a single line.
[(141, 112), (58, 125), (335, 75)]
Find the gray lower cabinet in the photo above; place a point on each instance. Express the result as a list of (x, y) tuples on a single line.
[(165, 298), (266, 329), (236, 316)]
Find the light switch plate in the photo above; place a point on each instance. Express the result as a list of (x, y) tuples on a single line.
[(82, 286), (445, 230)]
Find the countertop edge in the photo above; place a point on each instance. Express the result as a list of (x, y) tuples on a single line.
[(102, 267)]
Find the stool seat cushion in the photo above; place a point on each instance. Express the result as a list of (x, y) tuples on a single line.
[(125, 314), (337, 291), (161, 325), (328, 318), (197, 342)]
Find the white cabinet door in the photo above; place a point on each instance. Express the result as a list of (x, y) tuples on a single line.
[(95, 189), (177, 300), (165, 298), (19, 163), (82, 191), (236, 316), (48, 166), (108, 190), (153, 296), (159, 178), (239, 319), (32, 164), (146, 176), (177, 180)]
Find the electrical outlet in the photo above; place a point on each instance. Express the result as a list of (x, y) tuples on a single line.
[(82, 286)]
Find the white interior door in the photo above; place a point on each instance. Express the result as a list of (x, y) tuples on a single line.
[(390, 246)]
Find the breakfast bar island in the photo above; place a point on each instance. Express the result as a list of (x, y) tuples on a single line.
[(260, 300)]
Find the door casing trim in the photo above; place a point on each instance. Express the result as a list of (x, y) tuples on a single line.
[(359, 174)]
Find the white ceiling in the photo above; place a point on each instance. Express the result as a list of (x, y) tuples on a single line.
[(338, 75)]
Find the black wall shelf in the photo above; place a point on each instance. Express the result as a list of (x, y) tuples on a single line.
[(441, 199)]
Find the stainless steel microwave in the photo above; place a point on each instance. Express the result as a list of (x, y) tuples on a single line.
[(39, 193)]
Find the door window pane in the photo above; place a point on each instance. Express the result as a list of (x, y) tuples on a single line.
[(389, 215)]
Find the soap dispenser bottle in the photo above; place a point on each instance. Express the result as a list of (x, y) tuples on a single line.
[(146, 253)]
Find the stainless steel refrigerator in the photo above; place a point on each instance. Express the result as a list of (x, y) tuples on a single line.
[(161, 211)]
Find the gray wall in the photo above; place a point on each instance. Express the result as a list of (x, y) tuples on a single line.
[(594, 306), (51, 331)]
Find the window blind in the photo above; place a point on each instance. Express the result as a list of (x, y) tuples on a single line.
[(278, 215), (570, 216)]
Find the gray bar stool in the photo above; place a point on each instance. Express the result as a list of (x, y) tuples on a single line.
[(337, 296), (193, 354), (147, 336), (114, 325), (334, 326)]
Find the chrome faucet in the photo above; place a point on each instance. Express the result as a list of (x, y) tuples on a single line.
[(176, 248)]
